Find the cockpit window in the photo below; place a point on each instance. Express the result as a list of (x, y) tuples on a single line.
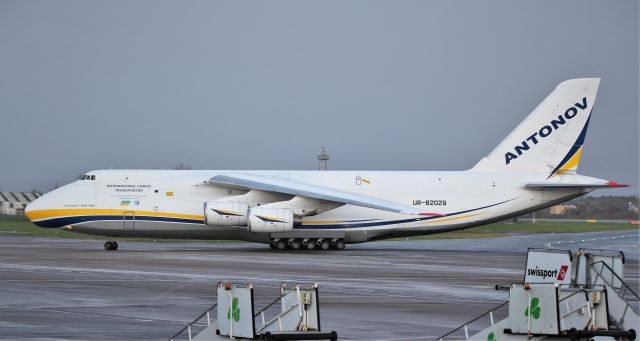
[(93, 177), (88, 177)]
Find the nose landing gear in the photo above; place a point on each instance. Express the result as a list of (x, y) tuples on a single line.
[(111, 245)]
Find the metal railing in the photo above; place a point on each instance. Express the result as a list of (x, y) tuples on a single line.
[(625, 291), (465, 327), (188, 328), (262, 311)]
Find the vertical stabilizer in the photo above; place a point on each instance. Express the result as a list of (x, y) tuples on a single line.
[(550, 140)]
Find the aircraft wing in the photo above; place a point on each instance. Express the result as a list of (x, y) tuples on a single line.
[(291, 187)]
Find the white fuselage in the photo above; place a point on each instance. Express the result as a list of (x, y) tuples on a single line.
[(534, 167), (170, 203)]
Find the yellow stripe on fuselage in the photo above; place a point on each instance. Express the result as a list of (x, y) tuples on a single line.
[(449, 219), (329, 222), (73, 212), (174, 215)]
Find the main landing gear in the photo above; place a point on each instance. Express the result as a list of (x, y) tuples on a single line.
[(307, 244), (111, 245)]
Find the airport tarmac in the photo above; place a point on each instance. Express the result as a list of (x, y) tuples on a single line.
[(394, 290)]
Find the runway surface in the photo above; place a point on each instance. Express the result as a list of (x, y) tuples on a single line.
[(396, 290)]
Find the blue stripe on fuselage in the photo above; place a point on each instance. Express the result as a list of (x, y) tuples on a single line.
[(392, 222), (64, 221)]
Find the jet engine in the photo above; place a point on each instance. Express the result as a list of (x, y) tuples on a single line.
[(266, 219), (225, 213)]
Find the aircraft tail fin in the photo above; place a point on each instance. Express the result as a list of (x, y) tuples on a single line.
[(550, 140)]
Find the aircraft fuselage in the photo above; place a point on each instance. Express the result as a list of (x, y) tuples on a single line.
[(170, 204)]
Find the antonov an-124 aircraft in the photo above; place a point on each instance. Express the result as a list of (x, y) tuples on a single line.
[(532, 168)]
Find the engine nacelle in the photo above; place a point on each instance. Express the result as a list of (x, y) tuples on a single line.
[(264, 219), (225, 213)]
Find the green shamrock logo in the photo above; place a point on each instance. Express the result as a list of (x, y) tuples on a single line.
[(535, 308), (235, 309), (492, 337)]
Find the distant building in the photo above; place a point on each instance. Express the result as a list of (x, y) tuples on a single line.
[(14, 203), (561, 209)]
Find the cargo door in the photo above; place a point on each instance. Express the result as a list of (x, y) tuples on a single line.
[(129, 220)]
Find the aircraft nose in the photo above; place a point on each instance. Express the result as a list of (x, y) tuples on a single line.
[(29, 210), (63, 206), (38, 212)]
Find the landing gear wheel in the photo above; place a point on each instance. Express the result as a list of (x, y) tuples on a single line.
[(273, 244), (295, 244), (311, 244), (325, 244), (281, 245), (110, 245), (340, 244)]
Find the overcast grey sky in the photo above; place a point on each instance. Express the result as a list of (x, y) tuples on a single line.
[(385, 85)]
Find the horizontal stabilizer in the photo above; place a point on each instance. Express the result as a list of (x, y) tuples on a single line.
[(556, 185), (287, 186)]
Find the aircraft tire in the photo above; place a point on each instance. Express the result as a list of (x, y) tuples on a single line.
[(281, 245), (110, 246), (340, 244), (296, 244), (325, 244), (311, 244)]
